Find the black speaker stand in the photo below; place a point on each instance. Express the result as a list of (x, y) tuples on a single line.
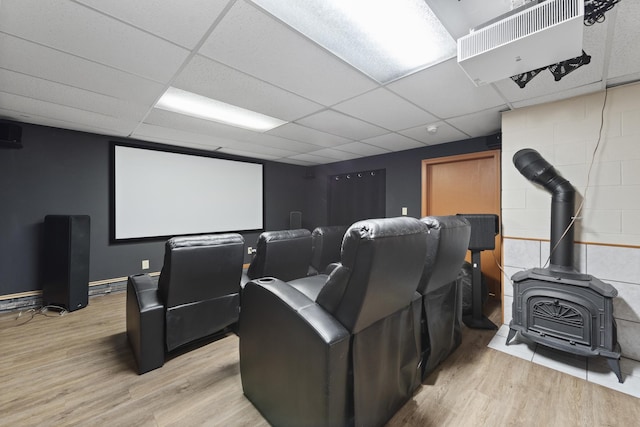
[(477, 320)]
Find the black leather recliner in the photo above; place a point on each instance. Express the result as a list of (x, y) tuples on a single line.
[(196, 295), (283, 254), (447, 242), (326, 242), (346, 351)]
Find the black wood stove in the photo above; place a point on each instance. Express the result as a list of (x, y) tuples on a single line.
[(557, 306)]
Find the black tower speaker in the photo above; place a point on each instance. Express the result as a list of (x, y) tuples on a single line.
[(66, 261)]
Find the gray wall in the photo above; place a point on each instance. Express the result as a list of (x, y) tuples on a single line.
[(404, 174), (66, 172)]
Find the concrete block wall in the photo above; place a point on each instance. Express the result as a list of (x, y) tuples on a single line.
[(567, 133)]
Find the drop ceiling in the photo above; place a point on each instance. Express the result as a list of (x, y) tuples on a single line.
[(100, 66)]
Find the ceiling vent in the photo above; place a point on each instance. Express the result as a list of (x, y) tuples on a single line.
[(533, 36)]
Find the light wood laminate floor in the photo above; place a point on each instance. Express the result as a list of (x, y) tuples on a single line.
[(77, 369)]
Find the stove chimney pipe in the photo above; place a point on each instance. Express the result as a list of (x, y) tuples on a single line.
[(537, 170)]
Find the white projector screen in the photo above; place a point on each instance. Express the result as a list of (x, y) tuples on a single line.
[(160, 194)]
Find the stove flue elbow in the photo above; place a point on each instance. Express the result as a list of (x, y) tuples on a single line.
[(536, 169)]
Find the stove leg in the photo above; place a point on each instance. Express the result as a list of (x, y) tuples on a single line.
[(614, 364), (512, 334)]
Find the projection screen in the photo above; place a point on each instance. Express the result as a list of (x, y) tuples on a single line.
[(160, 193)]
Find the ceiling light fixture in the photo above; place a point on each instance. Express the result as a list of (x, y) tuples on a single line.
[(194, 105), (384, 39)]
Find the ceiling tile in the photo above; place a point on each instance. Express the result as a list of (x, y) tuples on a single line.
[(23, 108), (445, 133), (296, 162), (305, 134), (362, 149), (193, 124), (556, 96), (61, 94), (102, 39), (385, 109), (49, 64), (393, 142), (184, 22), (250, 154), (626, 39), (180, 143), (167, 135), (256, 148), (214, 80), (311, 158), (623, 79), (544, 84), (445, 91), (278, 142), (229, 136), (338, 124), (335, 154), (99, 67), (253, 42), (459, 17), (56, 123), (479, 124)]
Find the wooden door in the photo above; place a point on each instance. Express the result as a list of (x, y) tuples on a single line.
[(468, 183)]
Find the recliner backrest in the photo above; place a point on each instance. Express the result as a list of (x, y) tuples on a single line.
[(199, 268), (447, 243), (326, 243), (285, 255), (381, 264)]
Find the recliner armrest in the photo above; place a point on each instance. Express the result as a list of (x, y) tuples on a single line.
[(145, 322), (145, 292), (294, 356), (330, 268)]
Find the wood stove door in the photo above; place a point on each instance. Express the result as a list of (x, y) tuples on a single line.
[(560, 319)]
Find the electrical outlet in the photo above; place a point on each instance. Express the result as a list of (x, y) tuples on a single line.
[(249, 250), (404, 211), (145, 264)]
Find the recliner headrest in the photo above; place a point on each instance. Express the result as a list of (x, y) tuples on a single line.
[(326, 244), (381, 264), (203, 240), (447, 242), (197, 268), (284, 254)]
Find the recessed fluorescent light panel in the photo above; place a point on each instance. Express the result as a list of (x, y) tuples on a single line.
[(192, 104), (385, 39)]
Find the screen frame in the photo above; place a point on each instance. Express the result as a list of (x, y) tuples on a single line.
[(171, 150)]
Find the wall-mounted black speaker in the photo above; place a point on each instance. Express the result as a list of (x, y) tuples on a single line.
[(295, 220), (484, 228), (10, 135), (66, 261)]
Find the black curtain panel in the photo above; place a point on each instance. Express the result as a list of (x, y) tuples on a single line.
[(356, 195)]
